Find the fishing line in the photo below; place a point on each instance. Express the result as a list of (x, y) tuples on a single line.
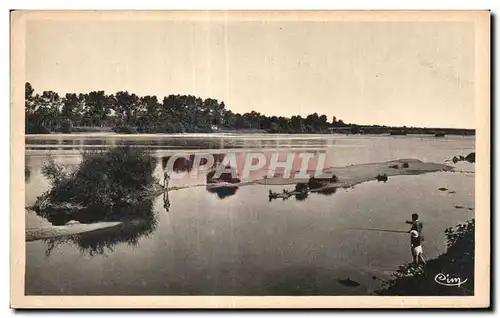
[(394, 231), (378, 230), (424, 256)]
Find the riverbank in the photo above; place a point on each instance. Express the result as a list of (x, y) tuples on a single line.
[(228, 132), (449, 274)]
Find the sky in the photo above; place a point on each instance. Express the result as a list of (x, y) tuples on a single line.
[(387, 73)]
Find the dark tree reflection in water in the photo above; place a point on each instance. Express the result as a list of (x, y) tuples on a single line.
[(100, 242), (223, 192), (301, 196), (27, 174)]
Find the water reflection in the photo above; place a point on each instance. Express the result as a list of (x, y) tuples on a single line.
[(271, 252), (99, 242), (223, 192), (77, 143), (186, 164), (166, 199), (301, 196), (301, 192), (27, 174)]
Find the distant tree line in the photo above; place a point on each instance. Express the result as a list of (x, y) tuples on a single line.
[(174, 114), (126, 112)]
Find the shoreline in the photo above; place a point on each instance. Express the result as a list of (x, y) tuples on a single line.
[(215, 134)]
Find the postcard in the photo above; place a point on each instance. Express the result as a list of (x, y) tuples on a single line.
[(250, 159)]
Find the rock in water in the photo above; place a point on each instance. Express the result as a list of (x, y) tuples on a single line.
[(471, 157), (348, 282), (382, 177)]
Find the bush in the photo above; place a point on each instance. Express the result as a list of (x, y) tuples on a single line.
[(82, 129), (145, 129), (314, 183), (301, 187), (35, 128), (109, 183), (67, 126), (125, 130), (471, 157), (406, 165), (154, 129)]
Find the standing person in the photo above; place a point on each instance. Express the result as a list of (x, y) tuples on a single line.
[(166, 200), (166, 177), (416, 248), (416, 225)]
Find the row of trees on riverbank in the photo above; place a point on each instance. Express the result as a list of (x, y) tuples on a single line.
[(126, 112), (174, 113)]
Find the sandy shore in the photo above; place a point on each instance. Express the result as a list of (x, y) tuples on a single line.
[(349, 176), (46, 232)]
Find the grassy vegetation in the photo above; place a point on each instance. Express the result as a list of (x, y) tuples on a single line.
[(457, 261), (107, 185), (125, 130)]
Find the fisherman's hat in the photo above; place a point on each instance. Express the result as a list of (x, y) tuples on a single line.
[(414, 233)]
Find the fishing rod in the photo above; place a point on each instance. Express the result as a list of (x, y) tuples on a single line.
[(378, 230), (391, 231)]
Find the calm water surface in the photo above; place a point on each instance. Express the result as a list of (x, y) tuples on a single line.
[(236, 242)]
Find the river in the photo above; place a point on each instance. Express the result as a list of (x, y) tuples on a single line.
[(236, 241)]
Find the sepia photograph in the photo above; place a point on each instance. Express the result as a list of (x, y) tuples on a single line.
[(250, 157)]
